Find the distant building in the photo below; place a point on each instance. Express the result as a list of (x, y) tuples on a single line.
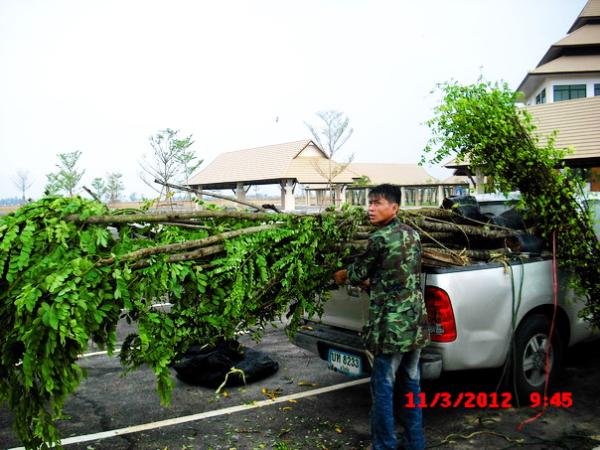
[(304, 163), (563, 93)]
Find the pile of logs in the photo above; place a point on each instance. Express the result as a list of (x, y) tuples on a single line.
[(450, 239)]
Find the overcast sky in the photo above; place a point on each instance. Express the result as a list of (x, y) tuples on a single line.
[(101, 76)]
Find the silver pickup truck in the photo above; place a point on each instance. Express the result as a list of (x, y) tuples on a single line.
[(485, 315)]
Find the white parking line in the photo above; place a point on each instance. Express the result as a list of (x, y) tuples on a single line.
[(206, 415), (116, 351)]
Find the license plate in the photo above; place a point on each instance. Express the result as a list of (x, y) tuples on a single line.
[(344, 362)]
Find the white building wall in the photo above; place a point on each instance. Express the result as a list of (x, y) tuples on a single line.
[(550, 82)]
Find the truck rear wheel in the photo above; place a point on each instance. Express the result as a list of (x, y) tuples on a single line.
[(527, 365)]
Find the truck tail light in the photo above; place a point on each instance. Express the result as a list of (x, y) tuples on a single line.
[(440, 314)]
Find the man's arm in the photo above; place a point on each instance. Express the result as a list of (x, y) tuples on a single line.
[(362, 268)]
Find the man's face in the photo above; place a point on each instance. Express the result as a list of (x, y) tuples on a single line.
[(381, 211)]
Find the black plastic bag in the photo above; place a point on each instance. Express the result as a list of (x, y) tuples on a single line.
[(209, 366)]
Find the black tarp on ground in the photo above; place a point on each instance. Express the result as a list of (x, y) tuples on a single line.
[(209, 366)]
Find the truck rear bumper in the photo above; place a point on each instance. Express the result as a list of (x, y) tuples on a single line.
[(318, 338)]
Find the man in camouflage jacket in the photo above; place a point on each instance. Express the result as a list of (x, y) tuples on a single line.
[(396, 329)]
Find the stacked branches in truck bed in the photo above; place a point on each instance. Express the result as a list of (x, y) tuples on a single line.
[(459, 234)]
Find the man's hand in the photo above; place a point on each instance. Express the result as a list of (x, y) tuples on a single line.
[(341, 276)]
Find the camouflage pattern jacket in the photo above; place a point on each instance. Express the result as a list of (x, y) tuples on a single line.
[(397, 315)]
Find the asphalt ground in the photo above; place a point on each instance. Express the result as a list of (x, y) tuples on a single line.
[(322, 412)]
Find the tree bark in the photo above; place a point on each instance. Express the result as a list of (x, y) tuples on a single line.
[(187, 245), (179, 257), (170, 217)]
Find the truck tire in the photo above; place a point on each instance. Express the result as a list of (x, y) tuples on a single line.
[(527, 364)]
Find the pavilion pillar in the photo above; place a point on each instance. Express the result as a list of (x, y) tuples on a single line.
[(480, 180), (367, 197), (240, 192), (402, 196), (340, 195), (440, 194), (288, 202)]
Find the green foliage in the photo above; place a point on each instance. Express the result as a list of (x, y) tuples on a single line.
[(114, 186), (67, 178), (56, 296), (98, 187), (171, 158), (481, 124)]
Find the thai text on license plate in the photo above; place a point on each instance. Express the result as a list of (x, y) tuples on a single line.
[(344, 362)]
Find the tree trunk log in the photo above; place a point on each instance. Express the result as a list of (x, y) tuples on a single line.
[(187, 245), (170, 217), (179, 257), (468, 230)]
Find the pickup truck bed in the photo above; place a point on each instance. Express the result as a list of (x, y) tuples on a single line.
[(480, 315)]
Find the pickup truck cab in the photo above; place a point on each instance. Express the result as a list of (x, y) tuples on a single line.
[(483, 315)]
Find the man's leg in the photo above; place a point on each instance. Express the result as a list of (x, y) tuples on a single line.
[(382, 392), (411, 418)]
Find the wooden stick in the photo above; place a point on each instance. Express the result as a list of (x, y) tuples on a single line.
[(429, 212), (187, 245), (172, 216), (196, 254), (450, 258), (470, 230), (210, 194), (187, 225), (475, 253), (94, 196)]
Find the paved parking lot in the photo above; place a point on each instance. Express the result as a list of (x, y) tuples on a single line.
[(314, 408)]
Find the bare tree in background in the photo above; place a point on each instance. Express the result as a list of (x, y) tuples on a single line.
[(114, 186), (332, 135), (22, 183), (67, 178), (165, 162)]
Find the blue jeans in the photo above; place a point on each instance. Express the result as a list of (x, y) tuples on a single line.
[(386, 368)]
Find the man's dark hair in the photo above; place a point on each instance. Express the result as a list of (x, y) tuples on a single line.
[(388, 191)]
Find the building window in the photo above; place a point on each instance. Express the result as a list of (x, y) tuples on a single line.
[(596, 89), (569, 92), (541, 97)]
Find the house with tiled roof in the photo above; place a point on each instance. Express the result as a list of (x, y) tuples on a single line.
[(305, 163), (562, 93)]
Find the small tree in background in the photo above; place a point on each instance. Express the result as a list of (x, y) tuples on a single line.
[(114, 186), (169, 160), (68, 177), (188, 160), (98, 187), (22, 183), (330, 138)]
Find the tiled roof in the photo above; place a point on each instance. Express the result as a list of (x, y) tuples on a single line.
[(590, 11), (577, 122), (578, 126), (302, 161), (258, 164), (570, 64)]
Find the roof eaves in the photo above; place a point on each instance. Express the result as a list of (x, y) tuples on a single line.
[(589, 12), (307, 143)]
